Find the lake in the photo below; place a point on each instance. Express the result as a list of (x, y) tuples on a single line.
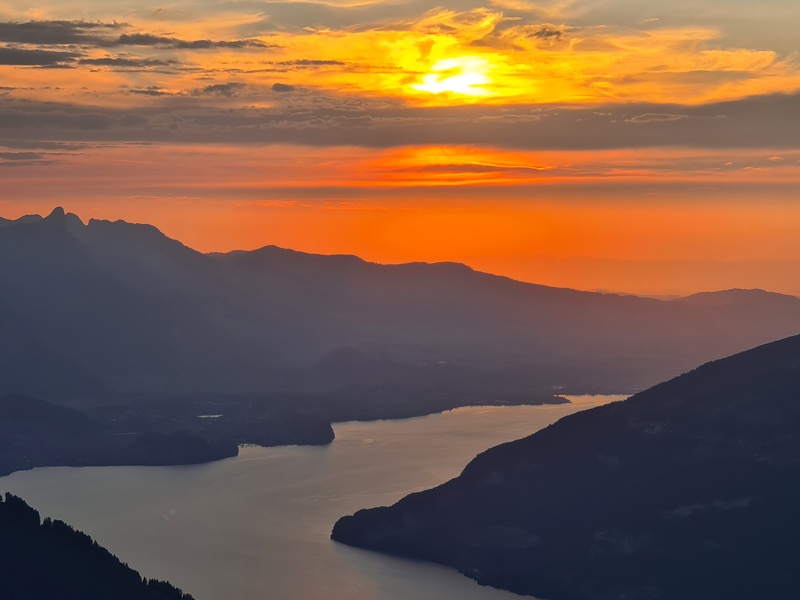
[(256, 527)]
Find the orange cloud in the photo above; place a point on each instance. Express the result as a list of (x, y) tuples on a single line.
[(442, 57)]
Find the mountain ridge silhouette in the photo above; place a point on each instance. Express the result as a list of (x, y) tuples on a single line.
[(115, 307)]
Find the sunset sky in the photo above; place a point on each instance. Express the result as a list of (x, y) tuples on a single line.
[(626, 145)]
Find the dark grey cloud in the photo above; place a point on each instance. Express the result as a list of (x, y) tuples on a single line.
[(312, 63), (283, 87), (117, 61), (20, 155), (24, 163), (206, 44), (547, 32), (193, 117), (44, 33), (24, 159), (31, 120), (228, 90), (28, 58), (150, 91), (655, 118), (106, 35), (56, 66), (147, 39), (41, 145), (139, 39)]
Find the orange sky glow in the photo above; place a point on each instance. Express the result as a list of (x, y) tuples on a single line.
[(626, 146)]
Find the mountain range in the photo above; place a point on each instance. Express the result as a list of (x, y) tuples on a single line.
[(688, 490), (114, 308)]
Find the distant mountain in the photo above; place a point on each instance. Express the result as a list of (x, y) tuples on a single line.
[(114, 307), (686, 491), (190, 430), (742, 298), (36, 433), (28, 365), (43, 560)]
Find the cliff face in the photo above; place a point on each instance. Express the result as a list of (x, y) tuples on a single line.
[(687, 490)]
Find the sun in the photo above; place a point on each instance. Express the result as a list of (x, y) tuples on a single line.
[(465, 76)]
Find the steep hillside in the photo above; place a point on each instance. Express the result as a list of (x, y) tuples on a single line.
[(41, 560), (687, 490)]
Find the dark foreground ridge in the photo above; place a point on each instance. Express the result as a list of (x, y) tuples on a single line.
[(688, 490), (44, 560)]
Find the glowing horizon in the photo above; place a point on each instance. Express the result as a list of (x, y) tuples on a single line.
[(580, 144)]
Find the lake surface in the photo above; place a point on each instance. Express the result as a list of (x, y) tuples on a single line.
[(256, 527)]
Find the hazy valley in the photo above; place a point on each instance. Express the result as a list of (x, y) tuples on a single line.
[(205, 352), (120, 346)]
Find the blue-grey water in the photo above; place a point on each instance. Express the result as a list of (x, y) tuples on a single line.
[(256, 527)]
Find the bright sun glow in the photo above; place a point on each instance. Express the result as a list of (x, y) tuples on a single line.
[(466, 75)]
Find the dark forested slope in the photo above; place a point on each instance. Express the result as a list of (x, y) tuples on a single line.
[(45, 560), (688, 490)]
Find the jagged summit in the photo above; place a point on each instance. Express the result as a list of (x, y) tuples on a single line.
[(59, 215)]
